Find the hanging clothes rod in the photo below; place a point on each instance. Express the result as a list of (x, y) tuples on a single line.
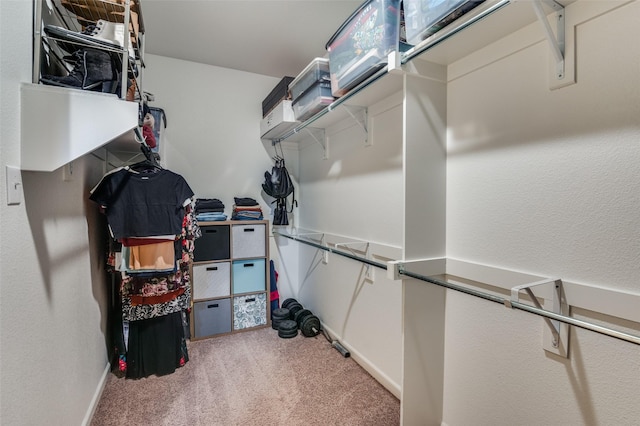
[(333, 250), (631, 338)]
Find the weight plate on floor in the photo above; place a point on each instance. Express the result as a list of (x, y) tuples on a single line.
[(299, 315), (310, 326), (288, 325), (287, 302), (293, 309), (287, 334), (280, 313)]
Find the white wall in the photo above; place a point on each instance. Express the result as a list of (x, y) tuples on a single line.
[(213, 134), (53, 291), (538, 181), (356, 194), (545, 182)]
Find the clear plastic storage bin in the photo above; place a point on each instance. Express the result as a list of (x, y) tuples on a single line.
[(314, 100), (424, 18), (361, 45), (316, 71)]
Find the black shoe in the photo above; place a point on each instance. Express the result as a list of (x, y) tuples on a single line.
[(93, 70)]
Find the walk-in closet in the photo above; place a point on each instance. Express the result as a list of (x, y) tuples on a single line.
[(362, 212)]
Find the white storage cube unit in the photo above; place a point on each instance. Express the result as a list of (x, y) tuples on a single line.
[(211, 280), (248, 241), (230, 278)]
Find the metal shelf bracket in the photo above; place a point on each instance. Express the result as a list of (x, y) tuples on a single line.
[(369, 272), (556, 334), (361, 116), (323, 243), (557, 42), (320, 137)]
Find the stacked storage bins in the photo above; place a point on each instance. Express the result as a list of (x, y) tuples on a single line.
[(229, 277), (361, 45), (311, 90)]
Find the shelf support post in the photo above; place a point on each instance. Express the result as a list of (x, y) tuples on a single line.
[(557, 42)]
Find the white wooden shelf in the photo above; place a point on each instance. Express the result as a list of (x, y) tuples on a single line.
[(489, 22), (77, 123)]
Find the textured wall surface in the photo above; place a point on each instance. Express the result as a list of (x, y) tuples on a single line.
[(53, 349), (545, 182)]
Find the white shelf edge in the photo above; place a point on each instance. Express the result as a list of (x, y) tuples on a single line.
[(59, 125)]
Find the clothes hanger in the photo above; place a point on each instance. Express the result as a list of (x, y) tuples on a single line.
[(150, 163)]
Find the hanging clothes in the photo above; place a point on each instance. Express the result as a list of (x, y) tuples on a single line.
[(143, 204), (150, 218)]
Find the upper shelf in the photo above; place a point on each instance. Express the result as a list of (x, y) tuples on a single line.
[(77, 123), (495, 18)]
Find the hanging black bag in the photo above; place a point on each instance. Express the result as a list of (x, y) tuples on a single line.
[(278, 184), (280, 216)]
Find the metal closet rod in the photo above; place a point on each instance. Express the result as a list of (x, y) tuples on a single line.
[(631, 338), (332, 250)]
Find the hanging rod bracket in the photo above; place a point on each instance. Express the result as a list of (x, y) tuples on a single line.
[(555, 334), (557, 41), (429, 267)]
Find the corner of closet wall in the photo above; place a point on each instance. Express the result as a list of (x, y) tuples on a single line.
[(214, 143)]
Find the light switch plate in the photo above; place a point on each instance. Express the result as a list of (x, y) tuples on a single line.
[(14, 185)]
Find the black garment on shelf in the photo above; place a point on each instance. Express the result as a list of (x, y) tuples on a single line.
[(208, 205), (246, 201)]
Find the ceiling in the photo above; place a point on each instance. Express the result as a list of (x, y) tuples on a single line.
[(274, 38)]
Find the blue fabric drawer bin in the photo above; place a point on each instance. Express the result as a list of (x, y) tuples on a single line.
[(248, 275)]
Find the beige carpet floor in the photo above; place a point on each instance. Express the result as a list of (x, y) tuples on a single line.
[(252, 378)]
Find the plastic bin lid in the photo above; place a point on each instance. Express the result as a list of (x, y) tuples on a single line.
[(307, 68), (348, 21)]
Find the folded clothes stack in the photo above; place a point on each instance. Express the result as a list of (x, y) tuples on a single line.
[(246, 209), (209, 210)]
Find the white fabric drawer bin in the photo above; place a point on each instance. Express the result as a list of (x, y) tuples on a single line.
[(248, 241), (211, 280)]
